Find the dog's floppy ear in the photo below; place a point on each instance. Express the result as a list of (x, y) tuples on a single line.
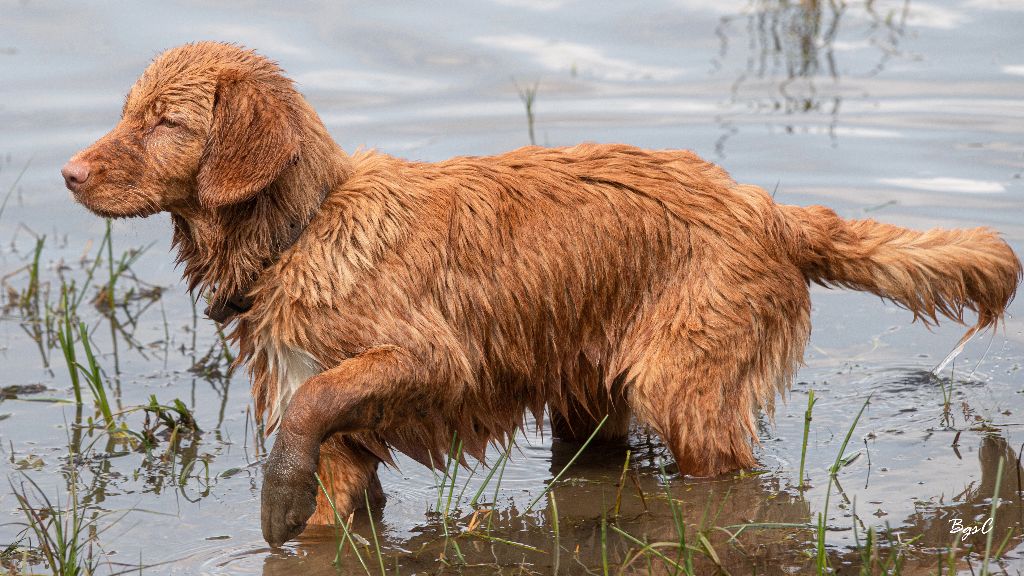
[(252, 139)]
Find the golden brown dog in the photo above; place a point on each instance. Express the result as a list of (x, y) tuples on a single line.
[(388, 305)]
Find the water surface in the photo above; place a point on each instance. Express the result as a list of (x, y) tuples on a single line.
[(908, 112)]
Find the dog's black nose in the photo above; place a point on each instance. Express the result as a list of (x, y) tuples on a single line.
[(75, 173)]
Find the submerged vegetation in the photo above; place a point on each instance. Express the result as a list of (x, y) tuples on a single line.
[(64, 531)]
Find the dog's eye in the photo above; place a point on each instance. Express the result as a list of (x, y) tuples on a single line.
[(167, 122)]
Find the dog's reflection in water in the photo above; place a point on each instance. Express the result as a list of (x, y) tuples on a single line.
[(591, 485)]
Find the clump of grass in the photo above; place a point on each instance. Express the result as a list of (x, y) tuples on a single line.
[(807, 430), (528, 95), (94, 378), (985, 567), (486, 510), (557, 547), (821, 557), (652, 548), (604, 544), (454, 454), (105, 300), (882, 558), (61, 322), (684, 552), (502, 459), (343, 533), (683, 561), (373, 531), (66, 338), (30, 297), (111, 277), (17, 555), (343, 525), (451, 472), (14, 186), (621, 484), (567, 465), (175, 417), (63, 535), (947, 395)]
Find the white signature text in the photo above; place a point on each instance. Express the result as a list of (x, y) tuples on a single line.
[(968, 531)]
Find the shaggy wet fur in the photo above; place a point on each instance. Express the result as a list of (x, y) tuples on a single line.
[(426, 300)]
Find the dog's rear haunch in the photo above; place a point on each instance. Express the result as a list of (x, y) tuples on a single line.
[(384, 305)]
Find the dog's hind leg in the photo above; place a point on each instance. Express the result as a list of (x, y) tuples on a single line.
[(579, 422), (702, 362), (349, 475), (697, 404)]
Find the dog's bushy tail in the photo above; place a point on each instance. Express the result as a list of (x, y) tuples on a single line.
[(938, 272)]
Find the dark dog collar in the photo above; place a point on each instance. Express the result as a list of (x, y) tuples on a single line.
[(222, 311)]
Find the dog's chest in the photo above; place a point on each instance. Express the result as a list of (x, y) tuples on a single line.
[(288, 368)]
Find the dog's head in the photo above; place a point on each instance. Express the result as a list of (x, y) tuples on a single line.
[(206, 126)]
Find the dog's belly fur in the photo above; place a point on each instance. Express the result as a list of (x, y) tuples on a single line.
[(599, 289)]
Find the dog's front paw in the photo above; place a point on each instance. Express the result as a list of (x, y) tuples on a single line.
[(289, 489)]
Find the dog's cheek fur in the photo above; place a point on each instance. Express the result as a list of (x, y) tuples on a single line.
[(119, 183), (174, 157)]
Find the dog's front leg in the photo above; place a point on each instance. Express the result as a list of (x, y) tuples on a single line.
[(362, 393)]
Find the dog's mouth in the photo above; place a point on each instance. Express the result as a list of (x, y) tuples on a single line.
[(125, 204)]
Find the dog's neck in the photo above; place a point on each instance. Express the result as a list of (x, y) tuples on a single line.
[(225, 250)]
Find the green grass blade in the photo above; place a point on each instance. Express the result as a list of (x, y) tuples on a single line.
[(566, 467)]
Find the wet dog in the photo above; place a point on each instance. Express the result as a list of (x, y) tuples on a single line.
[(382, 304)]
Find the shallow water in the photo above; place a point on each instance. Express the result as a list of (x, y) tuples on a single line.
[(906, 112)]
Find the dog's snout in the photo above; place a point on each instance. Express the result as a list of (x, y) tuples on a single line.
[(75, 173)]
